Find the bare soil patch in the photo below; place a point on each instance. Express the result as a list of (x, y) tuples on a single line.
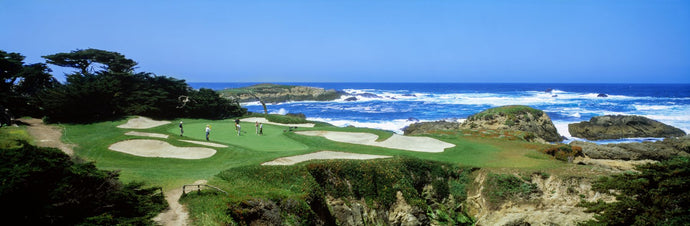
[(321, 155)]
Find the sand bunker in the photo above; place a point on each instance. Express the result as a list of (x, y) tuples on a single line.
[(157, 148), (409, 143), (264, 121), (321, 155), (142, 123), (142, 134), (205, 143)]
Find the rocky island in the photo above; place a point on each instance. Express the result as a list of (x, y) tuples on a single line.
[(274, 93)]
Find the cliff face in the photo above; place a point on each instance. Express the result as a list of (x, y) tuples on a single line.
[(271, 93), (622, 126), (515, 117), (554, 202)]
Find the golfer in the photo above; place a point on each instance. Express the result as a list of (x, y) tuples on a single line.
[(208, 131)]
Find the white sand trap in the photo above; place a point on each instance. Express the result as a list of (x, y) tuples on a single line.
[(142, 123), (265, 121), (142, 134), (157, 148), (321, 155), (205, 143), (409, 143)]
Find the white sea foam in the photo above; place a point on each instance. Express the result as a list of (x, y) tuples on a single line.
[(280, 111), (395, 125), (562, 128), (641, 107)]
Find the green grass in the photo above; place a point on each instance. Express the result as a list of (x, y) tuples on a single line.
[(10, 135), (224, 132), (239, 163)]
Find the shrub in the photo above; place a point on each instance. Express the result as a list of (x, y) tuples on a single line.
[(286, 119), (658, 195), (563, 152), (500, 188), (44, 187)]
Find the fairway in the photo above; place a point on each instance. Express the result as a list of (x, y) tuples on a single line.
[(224, 132), (248, 149)]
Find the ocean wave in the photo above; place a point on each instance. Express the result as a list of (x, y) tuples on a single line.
[(641, 107), (395, 125)]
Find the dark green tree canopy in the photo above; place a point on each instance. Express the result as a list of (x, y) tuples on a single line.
[(34, 78), (10, 66), (85, 60), (19, 84), (116, 90)]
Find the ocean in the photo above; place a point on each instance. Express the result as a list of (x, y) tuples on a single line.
[(393, 106)]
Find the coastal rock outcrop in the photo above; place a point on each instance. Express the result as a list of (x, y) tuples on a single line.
[(660, 150), (515, 117), (272, 93), (622, 126)]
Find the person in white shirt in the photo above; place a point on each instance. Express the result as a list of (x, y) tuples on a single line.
[(208, 131)]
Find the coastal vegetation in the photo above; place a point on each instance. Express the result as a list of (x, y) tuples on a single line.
[(658, 194), (43, 186), (104, 86), (499, 159)]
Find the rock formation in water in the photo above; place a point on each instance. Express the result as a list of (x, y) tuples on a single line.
[(622, 126), (272, 93)]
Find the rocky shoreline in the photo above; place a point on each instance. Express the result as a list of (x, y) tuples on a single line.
[(537, 123)]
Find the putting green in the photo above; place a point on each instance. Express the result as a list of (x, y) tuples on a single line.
[(224, 132)]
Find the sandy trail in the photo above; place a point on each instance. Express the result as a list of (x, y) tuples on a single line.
[(321, 155), (177, 214), (408, 143), (264, 121), (47, 136)]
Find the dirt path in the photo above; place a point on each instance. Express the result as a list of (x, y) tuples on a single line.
[(176, 215), (50, 136), (47, 135)]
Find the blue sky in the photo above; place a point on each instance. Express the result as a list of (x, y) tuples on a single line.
[(367, 41)]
